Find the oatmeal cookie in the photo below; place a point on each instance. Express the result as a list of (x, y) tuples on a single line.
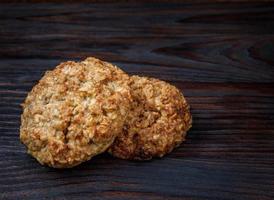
[(75, 112), (157, 122)]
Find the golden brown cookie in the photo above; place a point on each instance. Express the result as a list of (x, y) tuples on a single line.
[(75, 112), (157, 122)]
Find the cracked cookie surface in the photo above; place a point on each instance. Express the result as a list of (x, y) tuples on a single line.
[(157, 122), (74, 112)]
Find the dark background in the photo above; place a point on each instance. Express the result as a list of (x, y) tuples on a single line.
[(220, 54)]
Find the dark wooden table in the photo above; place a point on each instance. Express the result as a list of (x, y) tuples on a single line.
[(221, 55)]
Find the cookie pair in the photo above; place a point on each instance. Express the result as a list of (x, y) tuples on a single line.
[(79, 110)]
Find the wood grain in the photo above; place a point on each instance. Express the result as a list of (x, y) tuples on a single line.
[(219, 54)]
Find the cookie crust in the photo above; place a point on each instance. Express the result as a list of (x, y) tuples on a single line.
[(157, 122), (74, 112)]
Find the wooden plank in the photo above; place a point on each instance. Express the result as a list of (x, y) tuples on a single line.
[(196, 43)]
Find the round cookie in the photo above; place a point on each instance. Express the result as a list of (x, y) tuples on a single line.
[(75, 112), (157, 122)]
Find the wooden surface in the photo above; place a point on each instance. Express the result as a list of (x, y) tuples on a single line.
[(221, 55)]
